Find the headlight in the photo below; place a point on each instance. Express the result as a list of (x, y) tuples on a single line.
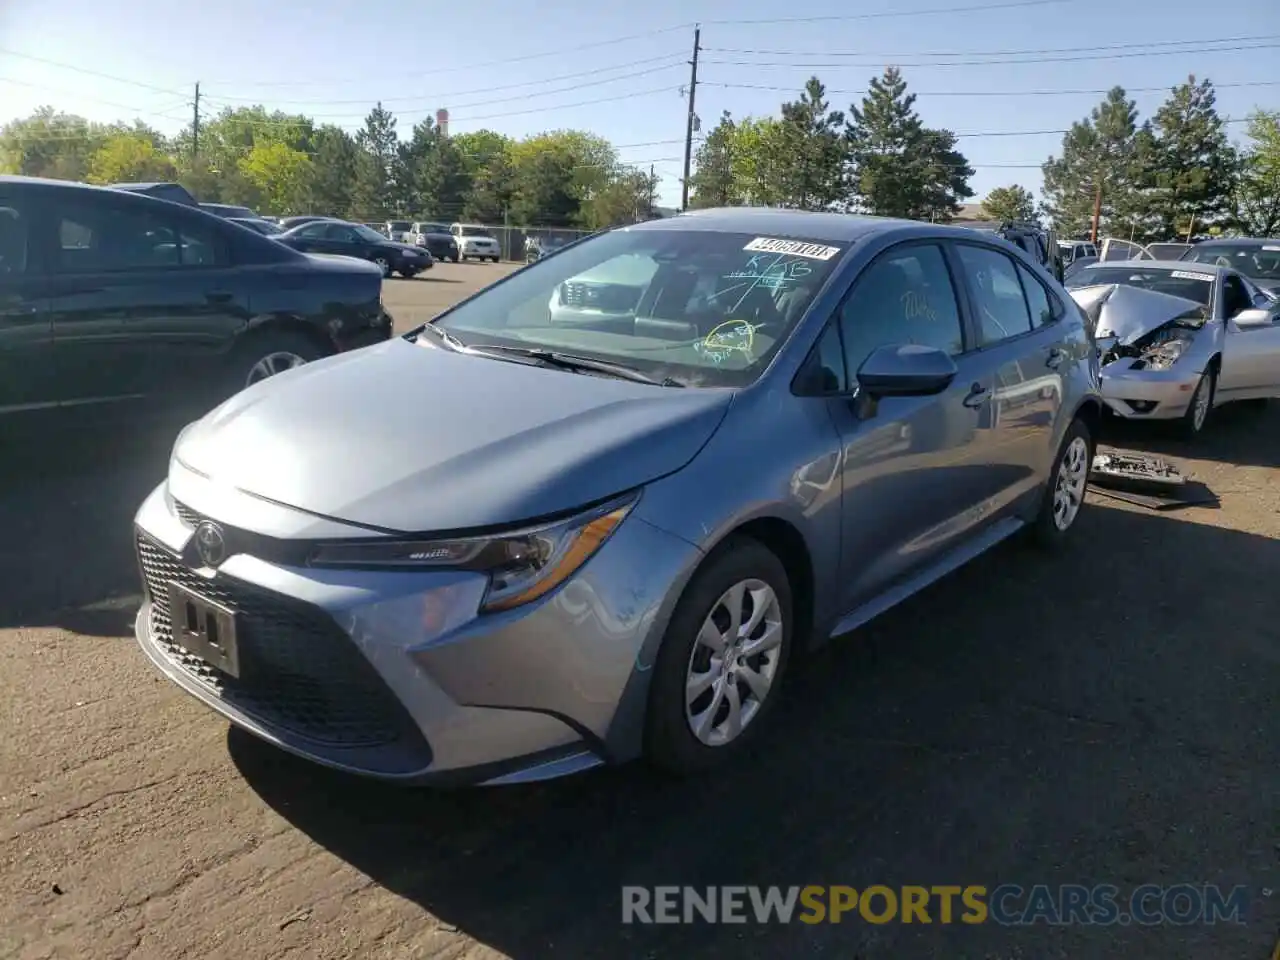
[(522, 565), (1161, 356)]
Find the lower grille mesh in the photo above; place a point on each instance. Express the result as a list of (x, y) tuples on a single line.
[(299, 671)]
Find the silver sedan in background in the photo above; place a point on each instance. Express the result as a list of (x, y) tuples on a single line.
[(1178, 339), (507, 547)]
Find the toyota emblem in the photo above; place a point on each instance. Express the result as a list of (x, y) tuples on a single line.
[(210, 544)]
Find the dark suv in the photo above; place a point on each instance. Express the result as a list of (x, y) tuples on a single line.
[(117, 304), (1039, 244)]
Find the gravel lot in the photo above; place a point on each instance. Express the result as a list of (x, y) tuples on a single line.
[(1106, 715)]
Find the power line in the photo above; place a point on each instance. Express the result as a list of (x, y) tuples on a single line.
[(677, 59), (994, 62), (85, 96), (560, 52), (932, 11), (440, 100), (991, 93), (90, 73), (566, 106), (996, 53)]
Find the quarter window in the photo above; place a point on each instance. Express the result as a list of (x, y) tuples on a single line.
[(997, 293), (906, 296)]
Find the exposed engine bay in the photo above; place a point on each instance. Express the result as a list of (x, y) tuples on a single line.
[(1149, 328)]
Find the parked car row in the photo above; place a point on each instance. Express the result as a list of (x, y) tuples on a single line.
[(115, 304)]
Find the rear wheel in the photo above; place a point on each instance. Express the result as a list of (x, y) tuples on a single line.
[(1064, 496), (383, 264), (264, 355), (719, 671), (495, 259)]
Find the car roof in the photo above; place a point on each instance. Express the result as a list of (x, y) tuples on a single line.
[(1164, 265), (1237, 242), (829, 227)]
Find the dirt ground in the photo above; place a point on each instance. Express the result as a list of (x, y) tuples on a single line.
[(1105, 715)]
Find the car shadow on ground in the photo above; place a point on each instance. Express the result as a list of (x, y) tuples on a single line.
[(1074, 717), (1237, 433), (67, 519)]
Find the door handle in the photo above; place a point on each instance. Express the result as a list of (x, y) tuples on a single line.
[(219, 297), (1055, 358), (977, 396)]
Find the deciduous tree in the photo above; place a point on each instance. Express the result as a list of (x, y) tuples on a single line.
[(1257, 197), (1010, 203)]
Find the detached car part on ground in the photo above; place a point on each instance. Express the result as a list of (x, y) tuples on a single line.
[(595, 562), (1169, 357)]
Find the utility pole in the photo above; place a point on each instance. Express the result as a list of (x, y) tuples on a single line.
[(195, 125), (688, 133), (1097, 212)]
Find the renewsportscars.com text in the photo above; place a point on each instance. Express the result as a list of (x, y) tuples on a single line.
[(1007, 905)]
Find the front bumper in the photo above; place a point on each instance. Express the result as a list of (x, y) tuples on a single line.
[(1148, 394), (395, 675), (471, 250)]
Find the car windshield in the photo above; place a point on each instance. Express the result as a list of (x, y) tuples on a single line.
[(368, 233), (1189, 284), (701, 308), (1261, 261), (476, 232), (400, 225)]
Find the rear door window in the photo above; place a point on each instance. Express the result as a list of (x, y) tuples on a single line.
[(997, 293), (1045, 307), (95, 237)]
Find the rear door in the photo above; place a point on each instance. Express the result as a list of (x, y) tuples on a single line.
[(1018, 346), (29, 385), (143, 300)]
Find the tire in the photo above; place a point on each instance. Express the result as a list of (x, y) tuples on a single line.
[(456, 259), (261, 348), (670, 741), (497, 259), (1057, 517), (383, 264), (1200, 409), (408, 274)]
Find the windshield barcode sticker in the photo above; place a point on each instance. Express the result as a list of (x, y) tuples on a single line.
[(1187, 275), (797, 248)]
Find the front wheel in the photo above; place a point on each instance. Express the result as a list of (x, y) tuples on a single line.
[(1068, 481), (719, 671), (1201, 405)]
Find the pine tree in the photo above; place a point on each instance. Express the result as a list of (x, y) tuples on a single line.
[(335, 169), (374, 189), (897, 166), (1192, 178), (1103, 152), (811, 137)]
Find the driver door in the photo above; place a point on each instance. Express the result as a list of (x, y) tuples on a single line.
[(1250, 355)]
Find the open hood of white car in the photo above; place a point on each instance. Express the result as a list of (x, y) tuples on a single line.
[(1130, 313)]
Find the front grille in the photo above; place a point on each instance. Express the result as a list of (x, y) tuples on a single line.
[(299, 671), (187, 515)]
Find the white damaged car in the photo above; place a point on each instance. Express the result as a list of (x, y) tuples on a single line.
[(1175, 340)]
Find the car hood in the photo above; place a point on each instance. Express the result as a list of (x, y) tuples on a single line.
[(411, 438), (1129, 313), (440, 236)]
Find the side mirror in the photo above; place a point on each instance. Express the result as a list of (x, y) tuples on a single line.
[(906, 370), (1254, 317)]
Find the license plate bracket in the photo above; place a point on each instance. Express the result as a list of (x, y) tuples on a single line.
[(205, 628)]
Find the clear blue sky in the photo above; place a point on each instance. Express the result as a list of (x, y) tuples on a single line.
[(333, 59)]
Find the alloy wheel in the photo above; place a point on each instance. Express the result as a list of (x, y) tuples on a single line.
[(1073, 477), (1200, 403), (271, 364), (734, 662)]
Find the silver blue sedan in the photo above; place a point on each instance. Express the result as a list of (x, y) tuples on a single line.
[(515, 544)]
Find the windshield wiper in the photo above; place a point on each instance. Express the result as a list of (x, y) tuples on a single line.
[(442, 334), (567, 361)]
